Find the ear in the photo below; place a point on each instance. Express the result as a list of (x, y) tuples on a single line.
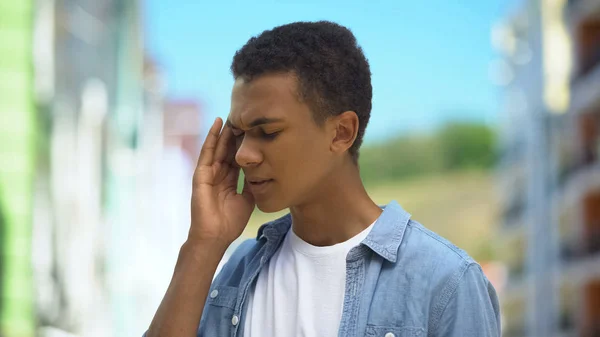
[(345, 127)]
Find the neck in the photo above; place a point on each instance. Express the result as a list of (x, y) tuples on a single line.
[(337, 211)]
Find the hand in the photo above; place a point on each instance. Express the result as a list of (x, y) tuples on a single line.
[(219, 213)]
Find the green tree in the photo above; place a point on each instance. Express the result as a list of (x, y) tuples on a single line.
[(400, 158), (467, 145), (454, 146)]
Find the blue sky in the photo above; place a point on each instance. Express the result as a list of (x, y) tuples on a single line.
[(429, 58)]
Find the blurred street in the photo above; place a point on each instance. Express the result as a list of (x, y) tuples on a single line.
[(489, 115)]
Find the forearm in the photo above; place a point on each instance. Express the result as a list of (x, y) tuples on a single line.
[(181, 308)]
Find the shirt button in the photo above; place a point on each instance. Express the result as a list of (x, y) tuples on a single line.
[(263, 260), (389, 334), (214, 293), (235, 320)]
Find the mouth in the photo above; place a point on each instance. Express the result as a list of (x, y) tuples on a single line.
[(259, 182), (259, 186)]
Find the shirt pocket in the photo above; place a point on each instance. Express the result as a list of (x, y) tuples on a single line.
[(219, 318), (223, 296), (394, 331)]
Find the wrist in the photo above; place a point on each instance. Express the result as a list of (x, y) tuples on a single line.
[(199, 254), (206, 244)]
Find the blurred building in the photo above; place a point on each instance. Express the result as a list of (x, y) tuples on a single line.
[(181, 136), (579, 178), (549, 173), (89, 93), (182, 126), (88, 66), (112, 180)]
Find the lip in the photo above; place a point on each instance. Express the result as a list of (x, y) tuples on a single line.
[(258, 185)]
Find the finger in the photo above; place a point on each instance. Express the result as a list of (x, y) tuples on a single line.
[(207, 153), (223, 144), (247, 194), (231, 152), (233, 175)]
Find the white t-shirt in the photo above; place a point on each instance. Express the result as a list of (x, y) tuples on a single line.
[(300, 292)]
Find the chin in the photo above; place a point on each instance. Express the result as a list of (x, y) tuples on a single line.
[(270, 206)]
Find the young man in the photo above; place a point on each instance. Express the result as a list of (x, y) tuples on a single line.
[(338, 264)]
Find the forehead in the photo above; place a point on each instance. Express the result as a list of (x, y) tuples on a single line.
[(272, 96)]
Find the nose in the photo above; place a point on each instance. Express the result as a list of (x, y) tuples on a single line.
[(248, 154)]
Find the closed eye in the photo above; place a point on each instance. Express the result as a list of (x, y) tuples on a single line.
[(269, 136), (259, 132)]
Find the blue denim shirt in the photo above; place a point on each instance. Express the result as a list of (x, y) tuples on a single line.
[(402, 279)]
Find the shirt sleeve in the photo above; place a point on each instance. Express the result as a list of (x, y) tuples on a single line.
[(473, 309)]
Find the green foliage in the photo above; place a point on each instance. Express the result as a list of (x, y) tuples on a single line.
[(466, 146), (400, 158), (455, 146)]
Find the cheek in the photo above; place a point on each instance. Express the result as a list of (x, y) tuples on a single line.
[(284, 154), (301, 161), (299, 152)]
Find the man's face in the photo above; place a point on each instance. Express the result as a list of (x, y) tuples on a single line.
[(284, 154)]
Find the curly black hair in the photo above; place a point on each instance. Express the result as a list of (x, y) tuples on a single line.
[(333, 73)]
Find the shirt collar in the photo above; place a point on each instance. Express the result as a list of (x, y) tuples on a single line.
[(276, 229), (387, 233), (384, 239)]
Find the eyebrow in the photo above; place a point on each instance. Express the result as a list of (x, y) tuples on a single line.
[(257, 122)]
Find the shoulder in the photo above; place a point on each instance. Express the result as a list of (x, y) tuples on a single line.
[(236, 260), (446, 261), (447, 269), (241, 249), (433, 260), (244, 253), (418, 236), (433, 256)]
